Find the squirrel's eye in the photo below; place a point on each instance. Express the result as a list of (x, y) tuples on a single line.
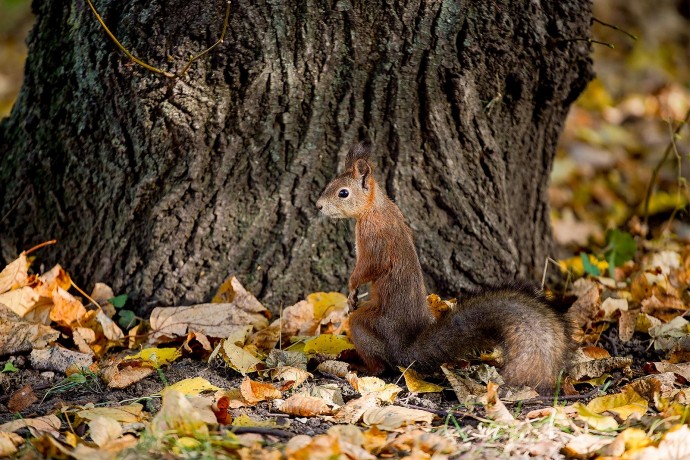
[(344, 193)]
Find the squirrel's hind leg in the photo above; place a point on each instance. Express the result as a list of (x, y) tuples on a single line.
[(367, 343)]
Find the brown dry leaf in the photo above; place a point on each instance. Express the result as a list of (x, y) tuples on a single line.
[(585, 445), (595, 352), (267, 338), (330, 393), (392, 417), (102, 293), (384, 392), (57, 358), (15, 274), (351, 440), (681, 369), (21, 301), (254, 392), (21, 399), (122, 375), (322, 447), (53, 278), (651, 386), (104, 430), (110, 329), (303, 406), (83, 337), (67, 309), (431, 444), (289, 373), (109, 451), (495, 409), (674, 445), (416, 384), (611, 306), (626, 325), (18, 335), (216, 320), (598, 367), (586, 307), (9, 444), (374, 439), (179, 415), (334, 368), (353, 410), (37, 426), (465, 389), (297, 319), (233, 396)]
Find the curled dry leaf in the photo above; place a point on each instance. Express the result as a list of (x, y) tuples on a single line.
[(626, 325), (288, 373), (495, 409), (385, 392), (304, 447), (416, 384), (179, 415), (254, 392), (465, 389), (432, 444), (585, 446), (67, 309), (391, 418), (297, 319), (303, 406), (622, 404), (599, 367), (102, 293), (594, 420), (595, 352), (21, 301), (19, 336), (329, 392), (681, 369), (59, 359), (122, 375), (353, 410), (586, 307), (334, 368)]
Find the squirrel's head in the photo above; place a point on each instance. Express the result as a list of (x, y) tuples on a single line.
[(351, 193)]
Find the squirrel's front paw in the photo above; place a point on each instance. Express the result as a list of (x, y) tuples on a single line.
[(352, 299)]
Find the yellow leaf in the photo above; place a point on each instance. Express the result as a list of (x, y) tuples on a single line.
[(178, 415), (192, 386), (328, 344), (131, 413), (623, 404), (104, 430), (575, 265), (415, 384), (156, 357), (385, 392), (326, 302), (634, 438), (596, 421), (245, 420), (239, 358), (14, 275)]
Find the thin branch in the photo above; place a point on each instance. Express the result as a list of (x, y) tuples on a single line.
[(153, 68), (444, 413), (606, 24), (262, 430), (657, 168)]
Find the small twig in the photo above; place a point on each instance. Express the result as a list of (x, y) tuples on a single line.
[(39, 246), (153, 69), (657, 168), (588, 40), (587, 395), (85, 295), (262, 430), (606, 24)]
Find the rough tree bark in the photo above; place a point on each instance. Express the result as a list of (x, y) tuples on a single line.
[(163, 188)]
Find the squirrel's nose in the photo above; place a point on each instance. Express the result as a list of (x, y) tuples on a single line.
[(319, 206)]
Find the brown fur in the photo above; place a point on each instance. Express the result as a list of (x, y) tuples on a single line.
[(396, 327)]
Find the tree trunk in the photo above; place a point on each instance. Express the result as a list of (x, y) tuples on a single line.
[(163, 187)]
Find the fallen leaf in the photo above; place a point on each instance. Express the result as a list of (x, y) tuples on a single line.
[(21, 301), (130, 413), (59, 359), (14, 275), (465, 389), (682, 369), (303, 406), (585, 308), (392, 417), (675, 444), (585, 445), (67, 309), (623, 404), (289, 373), (254, 392), (495, 409), (334, 368), (297, 319), (384, 392), (119, 375), (37, 426), (595, 420), (239, 358), (21, 399), (20, 336), (191, 386), (328, 344), (9, 444), (598, 367), (155, 357), (110, 329), (416, 384), (328, 392), (104, 430), (180, 416), (353, 410)]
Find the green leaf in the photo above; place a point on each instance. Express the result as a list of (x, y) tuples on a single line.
[(621, 247), (588, 266), (9, 367), (127, 319), (119, 301)]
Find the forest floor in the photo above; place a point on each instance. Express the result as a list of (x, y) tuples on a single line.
[(83, 377)]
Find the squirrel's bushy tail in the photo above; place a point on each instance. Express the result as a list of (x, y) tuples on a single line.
[(534, 339)]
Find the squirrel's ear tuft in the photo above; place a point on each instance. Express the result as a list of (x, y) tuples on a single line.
[(361, 150), (361, 171)]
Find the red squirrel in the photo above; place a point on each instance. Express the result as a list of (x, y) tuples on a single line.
[(395, 327)]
